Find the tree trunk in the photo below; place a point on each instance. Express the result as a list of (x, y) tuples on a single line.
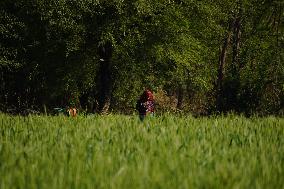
[(235, 70), (236, 43), (105, 80), (180, 97), (222, 62)]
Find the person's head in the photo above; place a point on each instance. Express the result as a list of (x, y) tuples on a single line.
[(147, 95)]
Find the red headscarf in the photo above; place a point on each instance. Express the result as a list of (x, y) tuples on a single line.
[(149, 95)]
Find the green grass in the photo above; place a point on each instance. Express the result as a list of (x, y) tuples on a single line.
[(120, 152)]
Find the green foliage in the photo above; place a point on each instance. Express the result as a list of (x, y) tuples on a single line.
[(50, 50)]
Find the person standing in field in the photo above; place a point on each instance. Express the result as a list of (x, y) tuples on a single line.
[(145, 104)]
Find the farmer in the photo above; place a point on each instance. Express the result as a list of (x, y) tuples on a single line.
[(145, 104)]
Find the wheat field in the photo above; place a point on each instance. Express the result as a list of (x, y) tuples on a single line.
[(117, 151)]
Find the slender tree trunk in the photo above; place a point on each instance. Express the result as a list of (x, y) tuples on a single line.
[(235, 68), (105, 86), (278, 34), (222, 62), (236, 45), (105, 80), (180, 96)]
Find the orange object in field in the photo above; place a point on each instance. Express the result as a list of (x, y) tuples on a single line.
[(72, 112)]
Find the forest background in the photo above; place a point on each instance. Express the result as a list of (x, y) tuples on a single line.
[(203, 57)]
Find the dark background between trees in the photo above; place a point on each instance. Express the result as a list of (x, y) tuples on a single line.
[(201, 57)]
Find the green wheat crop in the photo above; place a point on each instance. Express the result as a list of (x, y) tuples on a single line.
[(121, 152)]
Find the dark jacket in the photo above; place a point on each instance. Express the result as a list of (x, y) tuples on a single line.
[(141, 107)]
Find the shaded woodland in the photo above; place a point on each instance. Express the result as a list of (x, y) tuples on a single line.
[(198, 56)]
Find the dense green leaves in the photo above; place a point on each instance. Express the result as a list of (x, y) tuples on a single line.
[(101, 54)]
